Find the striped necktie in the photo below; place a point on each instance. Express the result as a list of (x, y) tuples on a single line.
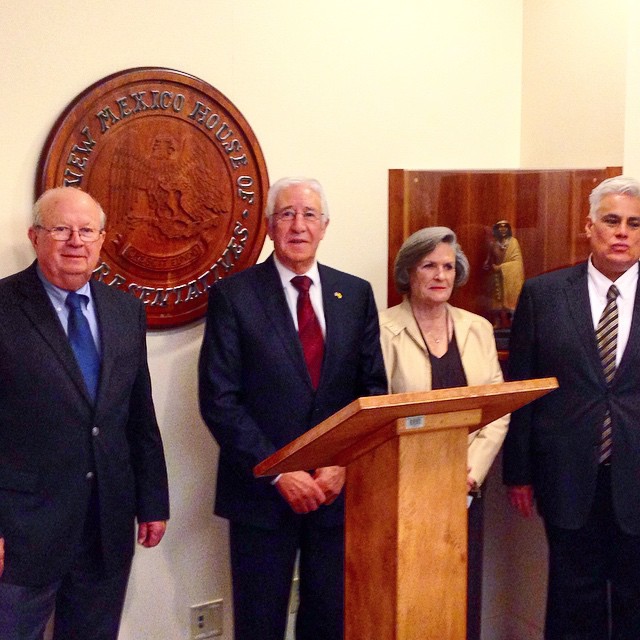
[(607, 337)]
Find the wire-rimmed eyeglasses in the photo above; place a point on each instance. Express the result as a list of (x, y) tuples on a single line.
[(63, 233)]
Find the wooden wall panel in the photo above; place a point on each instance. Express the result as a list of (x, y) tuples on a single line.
[(547, 210)]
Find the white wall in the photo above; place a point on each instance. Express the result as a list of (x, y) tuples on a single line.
[(342, 91), (573, 83), (632, 113)]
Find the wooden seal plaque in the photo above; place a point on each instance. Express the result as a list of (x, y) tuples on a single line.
[(181, 177)]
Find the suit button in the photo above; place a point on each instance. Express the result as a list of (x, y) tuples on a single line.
[(95, 431), (89, 475)]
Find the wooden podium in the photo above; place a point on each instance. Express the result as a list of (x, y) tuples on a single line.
[(406, 519)]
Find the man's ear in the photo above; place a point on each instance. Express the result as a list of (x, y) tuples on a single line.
[(33, 235), (587, 227)]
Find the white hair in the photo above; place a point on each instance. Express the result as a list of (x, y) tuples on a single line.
[(619, 185), (283, 183)]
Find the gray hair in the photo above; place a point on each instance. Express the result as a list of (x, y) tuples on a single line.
[(420, 244), (36, 212), (619, 185), (283, 183)]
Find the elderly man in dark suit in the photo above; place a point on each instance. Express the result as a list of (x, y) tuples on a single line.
[(80, 451), (576, 452), (287, 343)]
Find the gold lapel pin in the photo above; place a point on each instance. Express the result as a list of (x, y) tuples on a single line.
[(338, 295)]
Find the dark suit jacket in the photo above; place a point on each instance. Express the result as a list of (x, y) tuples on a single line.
[(51, 436), (255, 390), (553, 443)]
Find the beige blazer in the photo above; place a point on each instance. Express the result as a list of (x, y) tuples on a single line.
[(408, 369)]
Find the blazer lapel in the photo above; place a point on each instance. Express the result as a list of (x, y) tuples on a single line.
[(38, 309), (461, 328), (577, 294), (333, 302), (268, 287), (337, 309), (408, 323), (107, 315), (632, 350)]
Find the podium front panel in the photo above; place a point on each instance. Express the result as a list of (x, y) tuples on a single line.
[(406, 539)]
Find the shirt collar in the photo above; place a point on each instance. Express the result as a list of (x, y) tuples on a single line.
[(626, 283), (60, 295), (286, 274)]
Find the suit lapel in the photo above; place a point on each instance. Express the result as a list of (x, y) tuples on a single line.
[(269, 291), (577, 295), (336, 304), (333, 303), (632, 350), (107, 315), (38, 309)]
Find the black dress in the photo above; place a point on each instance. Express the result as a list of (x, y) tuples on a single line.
[(447, 372)]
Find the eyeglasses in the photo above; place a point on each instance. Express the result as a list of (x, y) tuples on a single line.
[(64, 233), (289, 215)]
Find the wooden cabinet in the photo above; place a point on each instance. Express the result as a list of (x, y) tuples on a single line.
[(547, 210)]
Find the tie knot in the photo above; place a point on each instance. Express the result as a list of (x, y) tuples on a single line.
[(75, 300), (613, 292), (302, 283)]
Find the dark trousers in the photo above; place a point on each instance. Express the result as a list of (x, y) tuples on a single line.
[(88, 604), (594, 576), (475, 546), (262, 563)]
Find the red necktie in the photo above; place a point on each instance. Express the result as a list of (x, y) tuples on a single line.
[(309, 329)]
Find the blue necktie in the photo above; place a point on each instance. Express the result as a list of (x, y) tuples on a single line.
[(82, 342)]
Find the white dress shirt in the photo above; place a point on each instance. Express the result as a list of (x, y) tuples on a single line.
[(598, 286), (291, 293), (58, 299)]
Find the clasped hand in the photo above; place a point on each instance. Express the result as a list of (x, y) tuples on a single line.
[(306, 492)]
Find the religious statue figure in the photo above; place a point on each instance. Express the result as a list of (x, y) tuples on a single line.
[(506, 274)]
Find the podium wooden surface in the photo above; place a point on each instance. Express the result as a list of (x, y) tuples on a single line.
[(406, 520)]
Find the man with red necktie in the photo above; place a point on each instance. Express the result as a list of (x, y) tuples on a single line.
[(288, 342)]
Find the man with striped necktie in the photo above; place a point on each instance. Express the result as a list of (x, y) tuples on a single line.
[(576, 452)]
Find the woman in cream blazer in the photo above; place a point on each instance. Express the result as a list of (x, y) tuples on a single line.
[(427, 344), (409, 369), (426, 331)]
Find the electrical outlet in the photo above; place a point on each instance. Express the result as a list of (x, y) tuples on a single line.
[(206, 620)]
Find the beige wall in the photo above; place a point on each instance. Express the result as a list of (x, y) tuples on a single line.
[(573, 83), (632, 113), (339, 90)]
